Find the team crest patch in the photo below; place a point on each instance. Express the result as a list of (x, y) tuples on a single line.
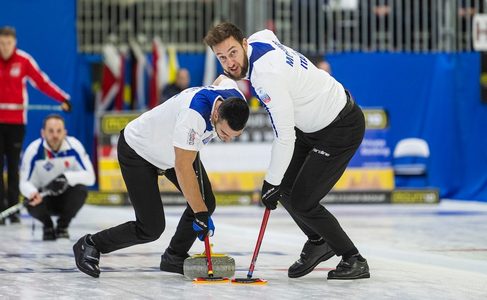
[(48, 166), (15, 70), (263, 95), (191, 137)]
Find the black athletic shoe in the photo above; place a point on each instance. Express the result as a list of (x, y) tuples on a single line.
[(355, 267), (310, 257), (172, 262), (14, 219), (87, 257), (62, 233), (48, 234)]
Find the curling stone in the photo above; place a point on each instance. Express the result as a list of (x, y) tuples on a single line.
[(195, 266)]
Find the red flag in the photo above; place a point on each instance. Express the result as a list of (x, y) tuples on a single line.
[(119, 99), (159, 74), (111, 78)]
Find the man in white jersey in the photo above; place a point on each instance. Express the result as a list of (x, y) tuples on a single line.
[(318, 128), (58, 165), (166, 140)]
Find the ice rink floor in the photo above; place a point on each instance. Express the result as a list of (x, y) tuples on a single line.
[(414, 252)]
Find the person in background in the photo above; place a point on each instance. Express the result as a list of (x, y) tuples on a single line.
[(182, 82), (16, 67), (54, 174), (318, 128), (322, 64)]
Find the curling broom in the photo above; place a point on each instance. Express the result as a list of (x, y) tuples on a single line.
[(249, 279)]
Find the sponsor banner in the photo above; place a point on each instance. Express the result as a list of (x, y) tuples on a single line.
[(358, 197), (112, 123), (110, 179), (415, 196), (366, 179), (247, 159), (374, 152), (376, 118), (409, 196)]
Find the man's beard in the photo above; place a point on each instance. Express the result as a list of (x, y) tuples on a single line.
[(243, 72)]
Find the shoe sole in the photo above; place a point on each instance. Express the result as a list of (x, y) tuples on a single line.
[(87, 272), (361, 276), (323, 258)]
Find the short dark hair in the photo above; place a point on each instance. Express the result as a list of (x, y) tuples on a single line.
[(235, 111), (8, 31), (221, 32), (52, 116)]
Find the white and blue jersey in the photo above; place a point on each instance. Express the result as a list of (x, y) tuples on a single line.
[(294, 92), (40, 165), (183, 121)]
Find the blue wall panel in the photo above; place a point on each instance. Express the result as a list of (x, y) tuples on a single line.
[(431, 96)]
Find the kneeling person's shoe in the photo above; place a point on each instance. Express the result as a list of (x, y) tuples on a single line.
[(14, 219), (310, 257), (172, 262), (354, 267), (62, 233), (87, 257), (48, 234)]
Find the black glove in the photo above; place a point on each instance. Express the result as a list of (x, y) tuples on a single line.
[(57, 186), (66, 106), (270, 195), (203, 225)]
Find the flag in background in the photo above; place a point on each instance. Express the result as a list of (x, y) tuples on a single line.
[(159, 76), (173, 64), (122, 91), (111, 79), (210, 67), (140, 70)]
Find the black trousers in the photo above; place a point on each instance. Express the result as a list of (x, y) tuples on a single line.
[(140, 177), (318, 162), (66, 206), (11, 138)]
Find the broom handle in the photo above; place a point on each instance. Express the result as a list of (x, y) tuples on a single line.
[(259, 242), (207, 239), (17, 207), (208, 256)]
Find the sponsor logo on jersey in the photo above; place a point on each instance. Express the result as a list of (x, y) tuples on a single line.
[(15, 70), (263, 95), (321, 152)]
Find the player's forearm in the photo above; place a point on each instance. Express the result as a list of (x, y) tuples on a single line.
[(189, 186)]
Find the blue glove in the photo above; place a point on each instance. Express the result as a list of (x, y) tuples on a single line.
[(203, 225)]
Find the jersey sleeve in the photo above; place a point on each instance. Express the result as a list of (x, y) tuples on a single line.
[(274, 94), (189, 130), (42, 82), (27, 188)]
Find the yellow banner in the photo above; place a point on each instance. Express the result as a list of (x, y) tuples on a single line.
[(110, 179)]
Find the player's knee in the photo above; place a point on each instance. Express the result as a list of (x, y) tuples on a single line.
[(301, 206), (151, 232)]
